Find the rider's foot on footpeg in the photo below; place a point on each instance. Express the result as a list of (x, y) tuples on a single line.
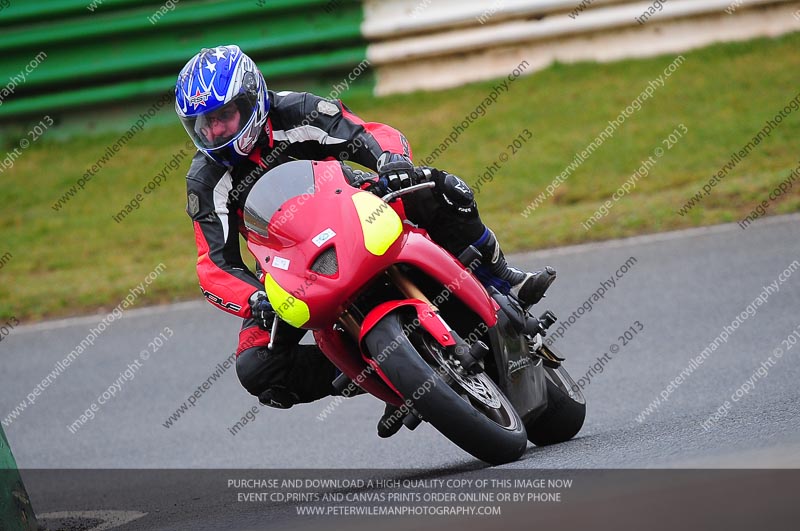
[(532, 289), (391, 421)]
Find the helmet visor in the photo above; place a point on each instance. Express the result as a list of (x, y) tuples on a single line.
[(221, 126)]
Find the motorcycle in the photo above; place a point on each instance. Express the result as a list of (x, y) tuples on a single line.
[(403, 319)]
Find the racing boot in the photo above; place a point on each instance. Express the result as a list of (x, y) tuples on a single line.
[(528, 287), (391, 421)]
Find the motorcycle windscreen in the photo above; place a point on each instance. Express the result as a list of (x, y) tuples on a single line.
[(273, 189)]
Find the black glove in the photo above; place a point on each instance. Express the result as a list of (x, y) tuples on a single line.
[(262, 310), (395, 171), (452, 189)]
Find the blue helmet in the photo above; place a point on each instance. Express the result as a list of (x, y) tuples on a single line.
[(221, 99)]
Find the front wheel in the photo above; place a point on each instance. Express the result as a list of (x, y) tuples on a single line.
[(469, 410)]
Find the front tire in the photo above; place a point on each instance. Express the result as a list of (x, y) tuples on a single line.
[(471, 411)]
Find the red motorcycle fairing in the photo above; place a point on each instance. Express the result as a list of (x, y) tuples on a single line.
[(352, 364), (421, 252), (288, 248), (319, 196)]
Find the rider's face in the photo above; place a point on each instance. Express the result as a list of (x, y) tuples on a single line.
[(222, 123)]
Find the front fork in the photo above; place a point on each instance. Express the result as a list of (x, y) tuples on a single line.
[(466, 356)]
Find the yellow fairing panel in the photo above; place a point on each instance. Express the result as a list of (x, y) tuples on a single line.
[(287, 306), (379, 222)]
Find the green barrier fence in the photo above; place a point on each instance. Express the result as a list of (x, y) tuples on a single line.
[(60, 55)]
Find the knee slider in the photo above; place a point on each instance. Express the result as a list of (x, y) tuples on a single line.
[(278, 397)]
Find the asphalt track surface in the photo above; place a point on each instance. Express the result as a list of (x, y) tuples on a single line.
[(683, 288)]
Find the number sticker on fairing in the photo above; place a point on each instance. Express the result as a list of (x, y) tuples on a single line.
[(322, 237)]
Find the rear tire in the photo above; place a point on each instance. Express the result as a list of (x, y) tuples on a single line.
[(565, 413), (492, 433)]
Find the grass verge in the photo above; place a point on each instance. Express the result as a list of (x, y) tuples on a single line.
[(78, 259)]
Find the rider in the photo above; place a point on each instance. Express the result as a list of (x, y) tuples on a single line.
[(241, 130)]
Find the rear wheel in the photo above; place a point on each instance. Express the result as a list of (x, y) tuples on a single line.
[(470, 410), (565, 413)]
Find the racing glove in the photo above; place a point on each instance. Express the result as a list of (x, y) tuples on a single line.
[(395, 172), (452, 189), (262, 310)]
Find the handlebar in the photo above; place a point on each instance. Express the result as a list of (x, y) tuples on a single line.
[(422, 174)]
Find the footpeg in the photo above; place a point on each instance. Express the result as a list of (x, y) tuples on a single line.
[(547, 319), (469, 256), (533, 326), (539, 325)]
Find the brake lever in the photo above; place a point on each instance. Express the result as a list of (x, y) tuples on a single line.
[(359, 181), (411, 189), (273, 332)]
